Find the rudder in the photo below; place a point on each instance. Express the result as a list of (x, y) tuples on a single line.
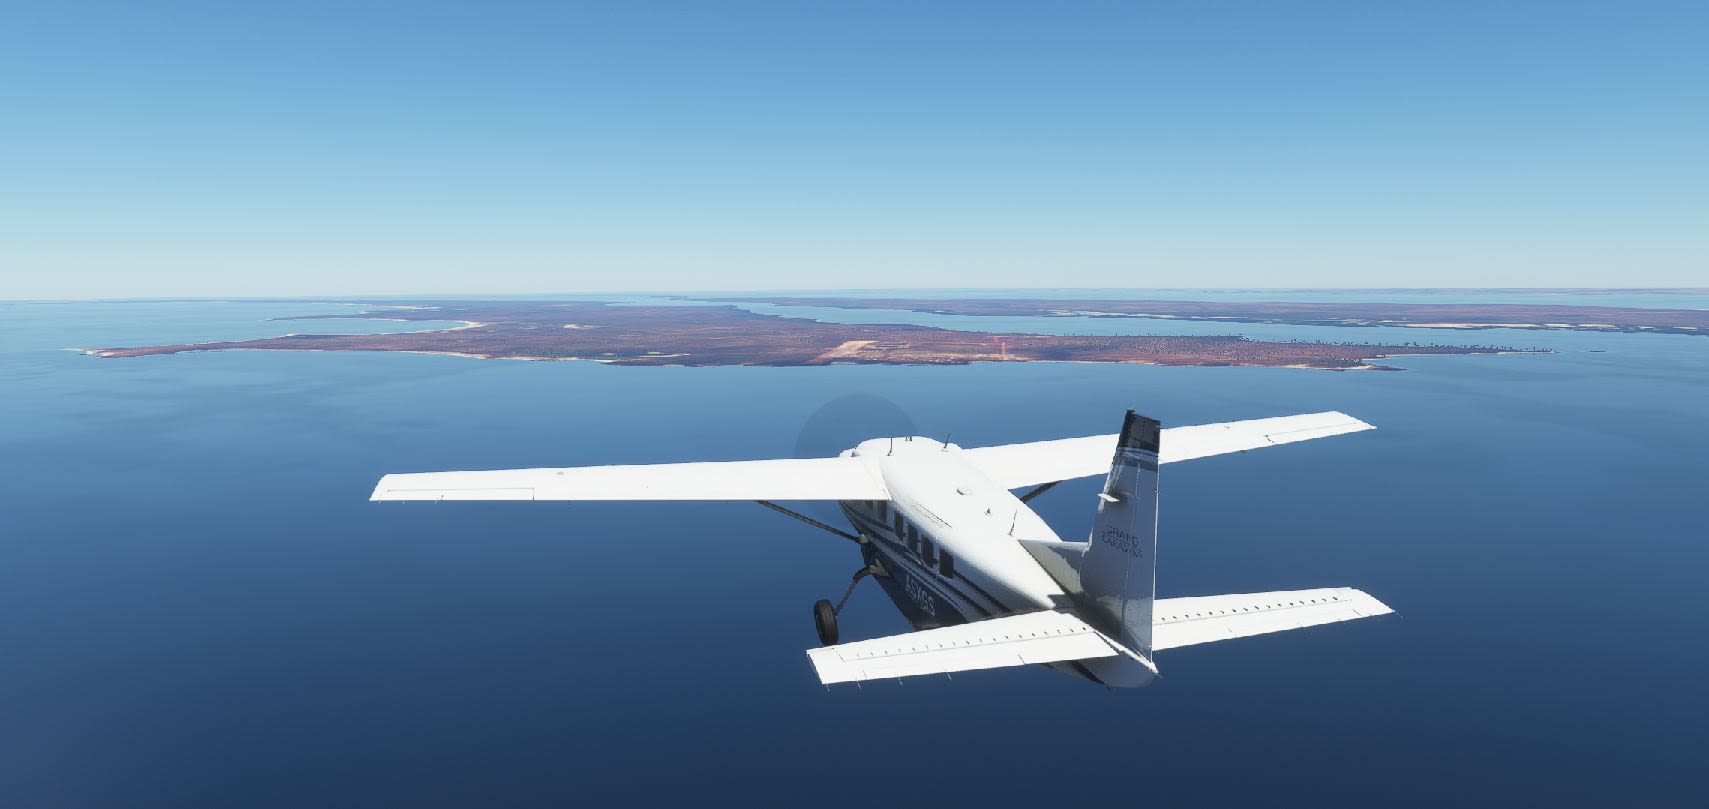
[(1118, 574)]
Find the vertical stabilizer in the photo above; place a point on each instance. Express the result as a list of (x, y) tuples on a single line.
[(1118, 574)]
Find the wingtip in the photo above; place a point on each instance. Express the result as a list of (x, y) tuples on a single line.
[(1372, 602), (379, 493), (825, 667), (1355, 422)]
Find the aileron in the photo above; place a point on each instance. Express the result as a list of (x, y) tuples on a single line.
[(1030, 464), (1203, 619)]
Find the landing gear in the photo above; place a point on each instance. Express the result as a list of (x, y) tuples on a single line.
[(825, 620), (825, 615)]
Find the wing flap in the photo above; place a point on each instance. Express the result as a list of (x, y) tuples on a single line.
[(1204, 619), (1014, 640), (785, 479), (1015, 465)]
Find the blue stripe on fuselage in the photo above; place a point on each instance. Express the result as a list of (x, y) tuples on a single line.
[(900, 561), (880, 531)]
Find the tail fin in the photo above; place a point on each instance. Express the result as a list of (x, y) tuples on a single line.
[(1118, 573)]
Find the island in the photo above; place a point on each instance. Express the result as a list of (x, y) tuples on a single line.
[(728, 335), (1404, 315)]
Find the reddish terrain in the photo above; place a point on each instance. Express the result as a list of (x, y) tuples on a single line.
[(725, 335)]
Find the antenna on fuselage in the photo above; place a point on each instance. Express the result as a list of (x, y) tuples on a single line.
[(892, 450), (946, 442)]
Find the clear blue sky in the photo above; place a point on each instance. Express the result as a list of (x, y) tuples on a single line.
[(234, 148)]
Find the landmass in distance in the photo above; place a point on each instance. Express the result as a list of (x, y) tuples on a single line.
[(1400, 315), (727, 335)]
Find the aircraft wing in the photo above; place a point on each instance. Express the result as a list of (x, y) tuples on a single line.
[(1015, 465), (1013, 640), (1051, 637), (785, 479), (1202, 619)]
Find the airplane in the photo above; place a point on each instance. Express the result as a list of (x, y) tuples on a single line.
[(982, 579)]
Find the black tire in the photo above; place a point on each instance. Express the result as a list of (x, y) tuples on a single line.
[(825, 620)]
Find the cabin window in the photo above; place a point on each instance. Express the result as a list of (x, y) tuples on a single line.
[(946, 565), (898, 523), (927, 554), (880, 508)]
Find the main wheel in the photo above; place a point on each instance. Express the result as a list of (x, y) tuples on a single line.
[(825, 620)]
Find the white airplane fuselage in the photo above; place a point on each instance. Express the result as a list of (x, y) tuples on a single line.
[(947, 545)]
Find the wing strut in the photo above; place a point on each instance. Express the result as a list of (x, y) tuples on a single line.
[(810, 521), (1025, 498)]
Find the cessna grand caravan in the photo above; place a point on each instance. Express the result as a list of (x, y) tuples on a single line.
[(984, 581)]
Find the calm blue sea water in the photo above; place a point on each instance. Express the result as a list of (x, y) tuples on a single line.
[(199, 607)]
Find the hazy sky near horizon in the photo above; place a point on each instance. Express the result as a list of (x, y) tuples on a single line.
[(167, 149)]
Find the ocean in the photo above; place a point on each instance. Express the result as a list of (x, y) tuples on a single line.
[(200, 608)]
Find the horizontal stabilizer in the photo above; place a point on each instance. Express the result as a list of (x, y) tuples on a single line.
[(1203, 619), (1015, 640), (785, 479), (1015, 465)]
